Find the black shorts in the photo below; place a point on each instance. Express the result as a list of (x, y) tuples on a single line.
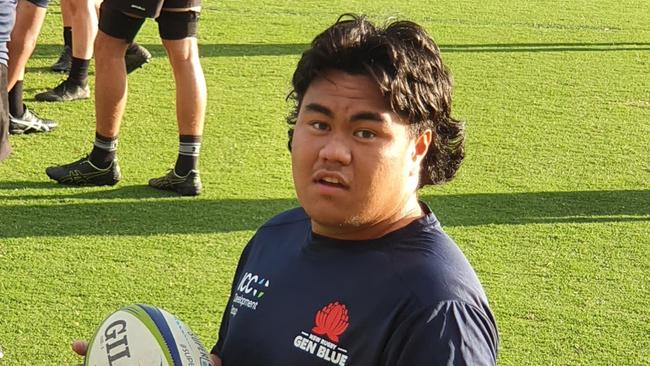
[(180, 4), (172, 25), (149, 8), (40, 3)]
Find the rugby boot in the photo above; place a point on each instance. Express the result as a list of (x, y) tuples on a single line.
[(135, 57), (189, 185), (29, 122), (64, 62), (84, 173), (64, 92)]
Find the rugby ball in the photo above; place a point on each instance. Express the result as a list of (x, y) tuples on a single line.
[(143, 335)]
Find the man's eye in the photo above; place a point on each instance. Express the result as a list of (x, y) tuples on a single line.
[(320, 125), (365, 134)]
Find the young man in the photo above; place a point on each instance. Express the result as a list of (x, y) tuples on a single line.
[(362, 273), (29, 19), (119, 22), (82, 16)]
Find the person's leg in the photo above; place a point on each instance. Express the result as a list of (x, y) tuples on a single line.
[(116, 31), (85, 20), (191, 94), (136, 56), (5, 148), (66, 17), (178, 33), (110, 83), (65, 58), (29, 19), (84, 25)]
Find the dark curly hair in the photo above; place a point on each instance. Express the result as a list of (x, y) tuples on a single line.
[(406, 64)]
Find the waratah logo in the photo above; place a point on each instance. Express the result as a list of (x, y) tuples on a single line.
[(331, 321)]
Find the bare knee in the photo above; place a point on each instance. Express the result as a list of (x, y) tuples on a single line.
[(181, 52), (109, 47)]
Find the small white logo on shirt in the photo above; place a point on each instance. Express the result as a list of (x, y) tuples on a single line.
[(250, 290)]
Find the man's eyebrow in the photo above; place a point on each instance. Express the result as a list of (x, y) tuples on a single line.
[(318, 108), (368, 116), (361, 116)]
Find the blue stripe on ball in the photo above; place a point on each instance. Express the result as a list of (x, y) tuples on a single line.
[(160, 321)]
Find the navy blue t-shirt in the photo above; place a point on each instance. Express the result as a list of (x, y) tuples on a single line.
[(409, 298), (7, 17)]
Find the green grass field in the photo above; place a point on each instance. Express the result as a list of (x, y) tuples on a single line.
[(552, 205)]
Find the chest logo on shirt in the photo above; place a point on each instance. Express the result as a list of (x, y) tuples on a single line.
[(249, 291), (330, 322)]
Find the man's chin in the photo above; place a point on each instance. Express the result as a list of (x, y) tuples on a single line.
[(335, 223)]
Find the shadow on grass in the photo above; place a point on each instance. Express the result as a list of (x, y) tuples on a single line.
[(546, 47), (45, 69), (282, 49), (138, 210), (67, 193), (541, 207)]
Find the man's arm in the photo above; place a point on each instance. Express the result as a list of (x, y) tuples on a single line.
[(449, 333)]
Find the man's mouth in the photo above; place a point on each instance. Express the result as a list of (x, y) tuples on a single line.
[(331, 180)]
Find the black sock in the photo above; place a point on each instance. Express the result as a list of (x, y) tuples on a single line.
[(104, 151), (67, 36), (188, 154), (79, 71), (16, 100)]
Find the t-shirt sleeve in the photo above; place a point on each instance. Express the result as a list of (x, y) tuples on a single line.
[(223, 328), (452, 333)]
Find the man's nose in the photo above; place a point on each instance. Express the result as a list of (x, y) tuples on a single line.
[(336, 149)]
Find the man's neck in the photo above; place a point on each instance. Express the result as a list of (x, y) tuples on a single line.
[(372, 230)]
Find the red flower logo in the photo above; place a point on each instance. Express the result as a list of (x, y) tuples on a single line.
[(332, 321)]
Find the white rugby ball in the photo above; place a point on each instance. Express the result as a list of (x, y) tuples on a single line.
[(143, 335)]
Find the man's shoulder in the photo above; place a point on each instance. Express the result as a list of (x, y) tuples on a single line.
[(281, 231), (294, 216), (434, 269)]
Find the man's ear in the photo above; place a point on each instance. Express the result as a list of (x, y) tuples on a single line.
[(420, 149), (422, 143)]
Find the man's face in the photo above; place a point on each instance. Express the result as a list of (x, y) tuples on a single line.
[(355, 166)]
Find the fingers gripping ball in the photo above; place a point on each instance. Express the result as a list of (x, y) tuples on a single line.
[(145, 335)]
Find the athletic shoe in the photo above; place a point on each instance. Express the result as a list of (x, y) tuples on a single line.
[(66, 91), (83, 173), (64, 62), (29, 122), (189, 185), (135, 57)]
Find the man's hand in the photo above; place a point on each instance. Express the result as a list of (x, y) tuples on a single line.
[(79, 347)]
